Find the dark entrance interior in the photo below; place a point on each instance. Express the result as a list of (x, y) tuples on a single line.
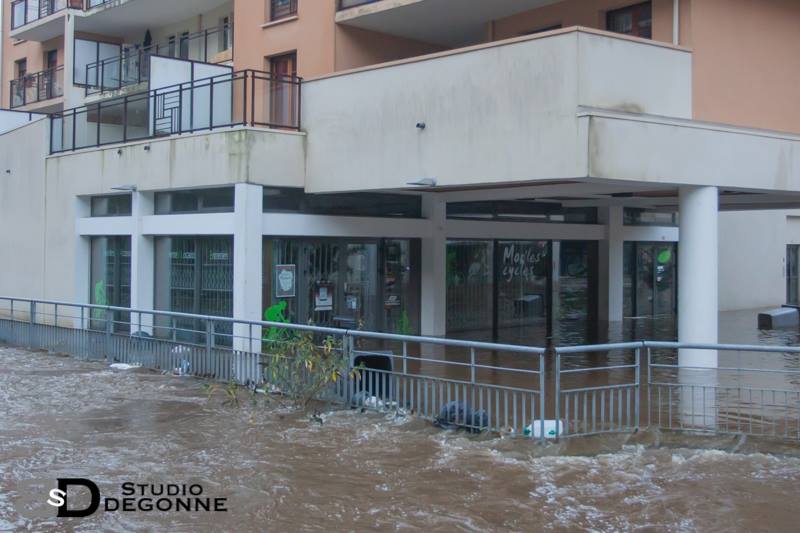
[(522, 292)]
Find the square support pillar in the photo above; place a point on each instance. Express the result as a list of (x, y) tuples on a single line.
[(611, 261), (73, 96), (142, 264), (433, 299), (247, 267), (83, 261)]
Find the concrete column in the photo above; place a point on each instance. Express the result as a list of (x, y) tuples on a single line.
[(247, 268), (697, 273), (142, 264), (610, 263), (83, 261), (73, 96), (434, 268)]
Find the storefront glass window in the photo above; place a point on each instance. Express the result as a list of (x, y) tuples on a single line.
[(194, 275), (650, 279), (525, 292), (366, 284), (110, 280), (792, 274)]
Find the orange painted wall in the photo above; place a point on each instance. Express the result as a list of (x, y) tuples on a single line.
[(590, 13), (747, 62), (322, 46), (311, 35), (358, 48)]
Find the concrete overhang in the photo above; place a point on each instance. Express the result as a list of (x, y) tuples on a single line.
[(661, 150), (421, 20), (126, 17), (43, 29), (208, 159), (495, 114)]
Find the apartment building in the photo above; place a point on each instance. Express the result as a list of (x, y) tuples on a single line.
[(514, 170)]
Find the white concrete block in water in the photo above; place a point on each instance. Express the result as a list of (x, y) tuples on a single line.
[(783, 317)]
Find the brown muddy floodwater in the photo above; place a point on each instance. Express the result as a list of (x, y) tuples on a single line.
[(61, 418)]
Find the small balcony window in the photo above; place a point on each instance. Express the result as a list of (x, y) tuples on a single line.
[(281, 9), (635, 20)]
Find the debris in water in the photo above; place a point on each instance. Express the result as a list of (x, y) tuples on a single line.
[(125, 366)]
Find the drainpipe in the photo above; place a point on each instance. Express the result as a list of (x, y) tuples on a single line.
[(676, 22)]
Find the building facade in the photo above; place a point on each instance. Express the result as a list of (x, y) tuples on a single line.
[(521, 171)]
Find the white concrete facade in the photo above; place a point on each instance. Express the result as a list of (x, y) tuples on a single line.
[(554, 119)]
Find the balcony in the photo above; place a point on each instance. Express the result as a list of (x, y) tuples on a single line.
[(421, 19), (132, 66), (502, 112), (237, 99), (134, 17), (35, 19), (38, 87)]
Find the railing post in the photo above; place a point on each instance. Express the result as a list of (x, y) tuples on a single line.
[(638, 354), (542, 396), (253, 98), (244, 99), (472, 365), (109, 327), (557, 378), (124, 119), (405, 357), (209, 341), (211, 104), (649, 381), (299, 102), (32, 318)]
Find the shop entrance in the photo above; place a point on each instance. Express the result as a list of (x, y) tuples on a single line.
[(525, 292), (370, 284), (651, 279)]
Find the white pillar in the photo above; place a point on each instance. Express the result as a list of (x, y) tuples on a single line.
[(142, 263), (433, 313), (73, 96), (83, 261), (697, 273), (610, 304), (247, 268)]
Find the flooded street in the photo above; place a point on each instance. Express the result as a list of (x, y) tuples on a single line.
[(63, 418)]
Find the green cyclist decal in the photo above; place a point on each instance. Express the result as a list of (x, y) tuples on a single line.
[(100, 299), (276, 313)]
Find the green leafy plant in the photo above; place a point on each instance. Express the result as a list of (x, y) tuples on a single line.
[(302, 367)]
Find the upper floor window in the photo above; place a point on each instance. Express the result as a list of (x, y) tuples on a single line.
[(88, 52), (217, 200), (115, 205), (636, 20), (280, 9), (21, 68)]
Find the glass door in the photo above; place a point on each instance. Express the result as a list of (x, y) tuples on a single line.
[(523, 291), (358, 293)]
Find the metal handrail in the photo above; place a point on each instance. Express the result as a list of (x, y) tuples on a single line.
[(299, 327), (250, 98), (48, 83), (132, 66)]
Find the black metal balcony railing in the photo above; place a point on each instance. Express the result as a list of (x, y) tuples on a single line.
[(26, 11), (244, 98), (95, 3), (346, 4), (132, 66), (37, 87)]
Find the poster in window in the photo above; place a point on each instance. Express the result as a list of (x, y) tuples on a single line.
[(323, 297), (285, 281)]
